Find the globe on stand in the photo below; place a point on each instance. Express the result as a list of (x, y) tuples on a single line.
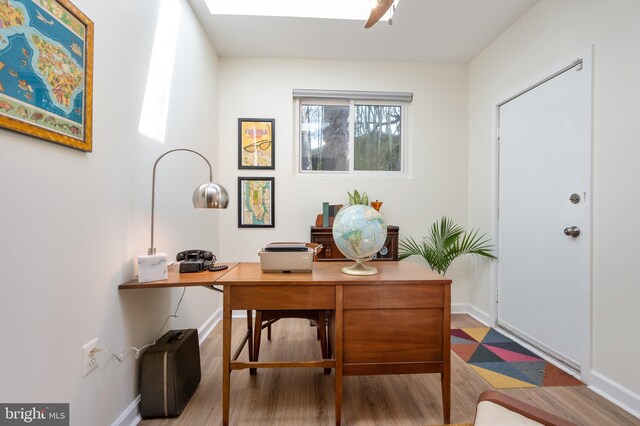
[(359, 232)]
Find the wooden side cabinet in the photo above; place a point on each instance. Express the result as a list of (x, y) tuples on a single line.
[(330, 251)]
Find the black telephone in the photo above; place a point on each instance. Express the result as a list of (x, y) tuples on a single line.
[(198, 260)]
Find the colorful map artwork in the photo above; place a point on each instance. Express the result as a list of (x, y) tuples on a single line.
[(42, 66), (256, 205)]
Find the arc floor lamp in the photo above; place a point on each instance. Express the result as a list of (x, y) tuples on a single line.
[(209, 195)]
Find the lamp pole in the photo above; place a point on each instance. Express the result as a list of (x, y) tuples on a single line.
[(152, 249)]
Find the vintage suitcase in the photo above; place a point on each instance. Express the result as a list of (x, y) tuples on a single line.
[(170, 374)]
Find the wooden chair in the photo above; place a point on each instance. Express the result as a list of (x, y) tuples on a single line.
[(497, 409), (266, 318)]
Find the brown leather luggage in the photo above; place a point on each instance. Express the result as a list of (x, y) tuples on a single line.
[(170, 374)]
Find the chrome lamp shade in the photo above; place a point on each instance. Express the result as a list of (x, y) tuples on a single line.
[(210, 196)]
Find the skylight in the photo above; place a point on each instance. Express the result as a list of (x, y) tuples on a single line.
[(324, 9)]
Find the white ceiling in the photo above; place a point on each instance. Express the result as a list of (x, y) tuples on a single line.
[(423, 30)]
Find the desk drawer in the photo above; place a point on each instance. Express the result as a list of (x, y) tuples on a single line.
[(270, 297), (393, 336), (382, 296)]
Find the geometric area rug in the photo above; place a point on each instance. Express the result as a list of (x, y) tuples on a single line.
[(503, 363)]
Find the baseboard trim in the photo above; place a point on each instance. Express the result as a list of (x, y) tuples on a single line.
[(619, 395), (472, 311), (131, 415), (459, 308), (479, 315), (238, 314), (207, 327)]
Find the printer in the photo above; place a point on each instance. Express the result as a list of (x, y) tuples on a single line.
[(288, 256)]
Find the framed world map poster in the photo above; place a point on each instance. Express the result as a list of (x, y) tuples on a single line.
[(255, 202), (256, 139), (46, 71)]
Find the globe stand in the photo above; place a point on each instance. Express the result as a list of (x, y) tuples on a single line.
[(359, 268)]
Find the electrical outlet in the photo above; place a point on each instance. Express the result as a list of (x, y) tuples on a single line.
[(89, 357)]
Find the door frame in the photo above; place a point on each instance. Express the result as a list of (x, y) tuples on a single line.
[(587, 66)]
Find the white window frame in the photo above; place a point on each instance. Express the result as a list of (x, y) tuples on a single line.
[(344, 99)]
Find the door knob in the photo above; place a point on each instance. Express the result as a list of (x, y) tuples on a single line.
[(572, 231), (575, 198)]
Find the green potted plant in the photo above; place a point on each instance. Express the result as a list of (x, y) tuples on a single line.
[(357, 199), (445, 242)]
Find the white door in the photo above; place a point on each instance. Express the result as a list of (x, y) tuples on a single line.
[(543, 217)]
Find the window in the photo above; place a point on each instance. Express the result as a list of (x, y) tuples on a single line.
[(377, 138), (353, 132), (324, 137)]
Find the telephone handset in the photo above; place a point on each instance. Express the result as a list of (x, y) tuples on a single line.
[(198, 260), (195, 255)]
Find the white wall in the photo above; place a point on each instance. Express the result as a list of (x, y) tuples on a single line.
[(71, 222), (63, 257), (436, 135), (554, 31)]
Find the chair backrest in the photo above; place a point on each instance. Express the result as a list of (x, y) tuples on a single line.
[(493, 406)]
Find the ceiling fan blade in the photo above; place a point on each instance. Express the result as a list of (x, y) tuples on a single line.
[(378, 12)]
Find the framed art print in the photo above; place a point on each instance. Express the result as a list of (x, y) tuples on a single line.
[(255, 202), (46, 71), (256, 139)]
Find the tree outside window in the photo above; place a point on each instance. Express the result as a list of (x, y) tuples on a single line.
[(329, 142), (377, 138)]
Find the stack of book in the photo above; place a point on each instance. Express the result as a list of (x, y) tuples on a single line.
[(329, 212)]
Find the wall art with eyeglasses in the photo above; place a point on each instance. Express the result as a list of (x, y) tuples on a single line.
[(256, 139)]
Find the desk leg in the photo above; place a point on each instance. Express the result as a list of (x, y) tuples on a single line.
[(445, 376), (322, 335), (338, 353), (226, 354), (250, 341)]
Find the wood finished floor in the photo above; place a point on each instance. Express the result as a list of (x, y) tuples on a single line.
[(305, 396)]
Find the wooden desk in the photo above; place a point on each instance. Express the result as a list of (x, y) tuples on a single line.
[(395, 322)]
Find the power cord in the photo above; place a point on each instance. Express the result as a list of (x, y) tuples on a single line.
[(120, 357)]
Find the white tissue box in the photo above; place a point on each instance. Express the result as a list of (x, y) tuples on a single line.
[(152, 267)]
